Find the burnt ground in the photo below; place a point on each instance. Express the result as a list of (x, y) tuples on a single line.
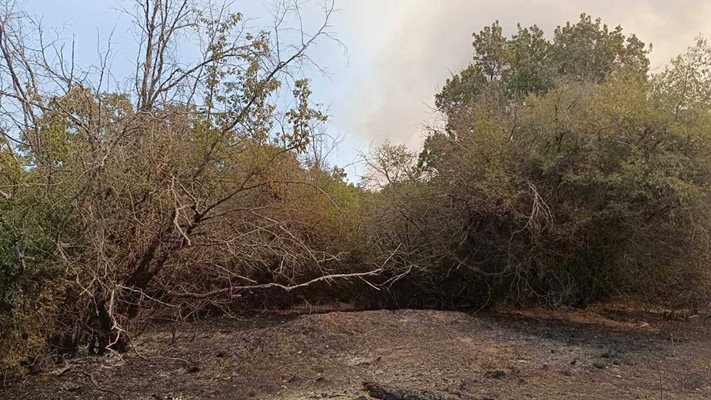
[(594, 354)]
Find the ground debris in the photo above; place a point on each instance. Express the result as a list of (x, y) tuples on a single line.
[(391, 393), (423, 354)]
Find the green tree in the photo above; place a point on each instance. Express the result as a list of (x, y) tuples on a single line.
[(565, 174), (529, 63)]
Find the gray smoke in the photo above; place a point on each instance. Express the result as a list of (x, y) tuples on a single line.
[(402, 51)]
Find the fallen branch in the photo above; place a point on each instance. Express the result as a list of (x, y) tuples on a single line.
[(287, 288)]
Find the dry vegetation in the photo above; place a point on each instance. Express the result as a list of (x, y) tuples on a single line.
[(565, 173)]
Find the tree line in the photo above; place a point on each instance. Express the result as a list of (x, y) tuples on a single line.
[(564, 173)]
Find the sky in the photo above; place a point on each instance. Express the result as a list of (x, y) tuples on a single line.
[(394, 55)]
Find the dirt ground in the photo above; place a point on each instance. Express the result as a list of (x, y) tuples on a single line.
[(605, 353)]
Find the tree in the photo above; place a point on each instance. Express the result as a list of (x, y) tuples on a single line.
[(529, 63), (181, 194), (565, 174)]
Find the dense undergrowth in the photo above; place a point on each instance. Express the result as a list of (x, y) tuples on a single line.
[(564, 173)]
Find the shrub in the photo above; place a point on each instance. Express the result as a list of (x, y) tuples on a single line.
[(592, 186)]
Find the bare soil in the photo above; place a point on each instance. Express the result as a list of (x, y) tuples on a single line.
[(602, 353)]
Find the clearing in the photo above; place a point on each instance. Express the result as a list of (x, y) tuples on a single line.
[(601, 353)]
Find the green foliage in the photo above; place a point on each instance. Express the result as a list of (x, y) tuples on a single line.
[(192, 187), (589, 50), (34, 231), (565, 175), (529, 63)]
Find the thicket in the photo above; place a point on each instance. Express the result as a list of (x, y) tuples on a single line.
[(565, 173)]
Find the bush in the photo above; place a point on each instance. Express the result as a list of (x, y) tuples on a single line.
[(594, 186), (33, 273)]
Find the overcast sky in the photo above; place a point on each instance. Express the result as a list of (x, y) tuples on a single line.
[(400, 52)]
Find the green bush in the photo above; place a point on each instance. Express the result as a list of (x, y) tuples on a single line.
[(592, 185), (33, 273)]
